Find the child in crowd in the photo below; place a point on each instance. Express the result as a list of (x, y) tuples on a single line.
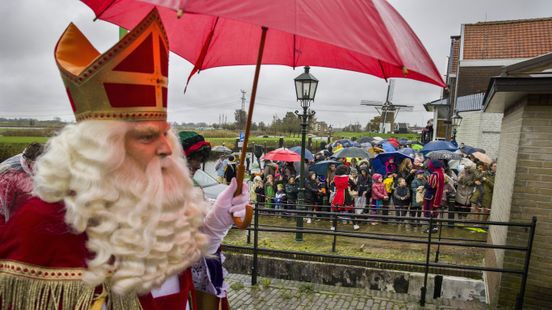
[(417, 188), (401, 198), (279, 197), (389, 183), (312, 193), (258, 195), (291, 193), (378, 194), (269, 190)]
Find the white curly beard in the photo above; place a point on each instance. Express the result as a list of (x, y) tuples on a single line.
[(142, 226)]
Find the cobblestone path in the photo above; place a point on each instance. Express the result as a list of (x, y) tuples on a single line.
[(291, 295)]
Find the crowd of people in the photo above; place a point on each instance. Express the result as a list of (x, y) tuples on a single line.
[(410, 189)]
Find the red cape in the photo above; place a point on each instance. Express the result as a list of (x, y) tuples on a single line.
[(36, 244)]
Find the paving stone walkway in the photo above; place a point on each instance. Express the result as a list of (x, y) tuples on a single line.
[(291, 295)]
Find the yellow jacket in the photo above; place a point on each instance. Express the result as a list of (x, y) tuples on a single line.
[(388, 182)]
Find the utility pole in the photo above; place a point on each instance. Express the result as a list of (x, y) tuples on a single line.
[(243, 99)]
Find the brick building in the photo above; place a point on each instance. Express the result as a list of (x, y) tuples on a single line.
[(480, 52), (523, 184)]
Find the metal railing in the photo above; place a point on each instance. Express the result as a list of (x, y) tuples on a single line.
[(429, 241)]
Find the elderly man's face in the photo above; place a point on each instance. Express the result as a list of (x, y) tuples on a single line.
[(146, 140)]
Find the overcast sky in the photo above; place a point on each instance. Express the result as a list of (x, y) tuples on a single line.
[(30, 84)]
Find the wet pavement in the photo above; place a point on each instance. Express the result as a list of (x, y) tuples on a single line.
[(284, 294)]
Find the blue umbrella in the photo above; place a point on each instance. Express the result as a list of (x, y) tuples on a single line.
[(407, 151), (378, 164), (308, 154), (387, 147), (470, 149), (321, 167), (438, 146), (343, 142), (403, 141), (366, 145)]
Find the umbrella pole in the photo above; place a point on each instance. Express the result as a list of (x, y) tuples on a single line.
[(241, 168)]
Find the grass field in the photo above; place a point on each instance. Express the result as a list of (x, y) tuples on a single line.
[(349, 135), (364, 246), (14, 139)]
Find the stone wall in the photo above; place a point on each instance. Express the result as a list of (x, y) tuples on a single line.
[(469, 131), (523, 189), (454, 288), (481, 130)]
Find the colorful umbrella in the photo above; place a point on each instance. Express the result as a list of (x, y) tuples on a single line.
[(394, 142), (388, 147), (470, 149), (282, 154), (417, 147), (366, 145), (375, 150), (378, 164), (407, 151), (482, 157), (343, 142), (308, 154), (321, 167), (366, 36), (438, 146)]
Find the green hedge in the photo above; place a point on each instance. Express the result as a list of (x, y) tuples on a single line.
[(7, 150)]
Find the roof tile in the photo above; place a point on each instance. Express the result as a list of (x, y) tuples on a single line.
[(508, 39)]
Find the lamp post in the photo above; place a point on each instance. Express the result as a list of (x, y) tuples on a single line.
[(456, 121), (305, 88)]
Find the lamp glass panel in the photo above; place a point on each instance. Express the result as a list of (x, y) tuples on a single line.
[(299, 89)]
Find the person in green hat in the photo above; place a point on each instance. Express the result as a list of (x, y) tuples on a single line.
[(195, 148)]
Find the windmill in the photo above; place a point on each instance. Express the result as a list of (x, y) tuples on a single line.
[(387, 110)]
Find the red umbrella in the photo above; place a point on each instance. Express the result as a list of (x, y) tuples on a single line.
[(367, 36), (282, 154)]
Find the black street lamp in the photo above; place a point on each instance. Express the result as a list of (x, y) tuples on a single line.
[(456, 122), (305, 88)]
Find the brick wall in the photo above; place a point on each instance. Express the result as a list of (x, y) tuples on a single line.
[(502, 194), (480, 130), (523, 189)]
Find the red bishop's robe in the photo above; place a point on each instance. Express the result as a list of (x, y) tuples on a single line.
[(42, 261)]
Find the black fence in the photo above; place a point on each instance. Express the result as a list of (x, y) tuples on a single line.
[(432, 239)]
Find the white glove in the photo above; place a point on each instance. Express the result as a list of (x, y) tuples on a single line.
[(219, 219)]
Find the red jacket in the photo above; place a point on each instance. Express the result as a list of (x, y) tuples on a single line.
[(378, 188), (339, 201)]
